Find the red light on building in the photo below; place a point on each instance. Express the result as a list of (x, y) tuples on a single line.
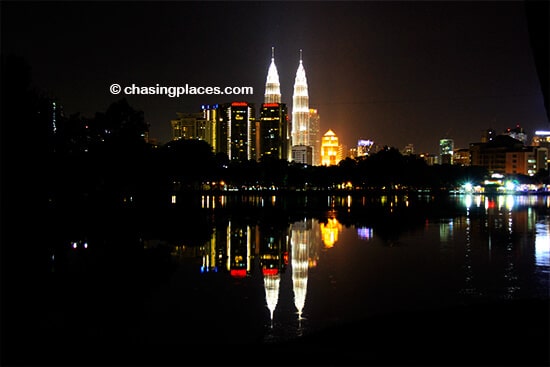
[(270, 271), (239, 104), (270, 105), (238, 273)]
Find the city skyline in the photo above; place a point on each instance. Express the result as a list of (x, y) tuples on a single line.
[(396, 73)]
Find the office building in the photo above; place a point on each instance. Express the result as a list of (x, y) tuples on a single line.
[(330, 149), (446, 149), (315, 135)]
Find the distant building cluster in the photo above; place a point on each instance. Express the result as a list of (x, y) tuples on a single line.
[(233, 128), (507, 153)]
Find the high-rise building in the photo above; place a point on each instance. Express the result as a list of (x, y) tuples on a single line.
[(315, 135), (300, 108), (237, 127), (212, 132), (446, 149), (273, 139), (343, 152), (329, 149)]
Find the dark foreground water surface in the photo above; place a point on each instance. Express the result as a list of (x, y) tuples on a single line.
[(283, 280)]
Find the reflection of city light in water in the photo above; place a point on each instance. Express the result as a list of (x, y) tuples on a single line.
[(271, 285), (446, 230), (509, 271), (469, 288), (542, 244), (365, 233), (468, 201), (330, 231), (299, 258), (509, 202), (478, 201)]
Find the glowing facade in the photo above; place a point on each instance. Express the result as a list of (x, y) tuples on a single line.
[(329, 149), (272, 85), (237, 123), (300, 108), (315, 135)]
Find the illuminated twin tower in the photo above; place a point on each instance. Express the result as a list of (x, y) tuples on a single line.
[(233, 128), (301, 139)]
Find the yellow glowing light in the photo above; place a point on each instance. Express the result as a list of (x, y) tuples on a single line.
[(330, 231)]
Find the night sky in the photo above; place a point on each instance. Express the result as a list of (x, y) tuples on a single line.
[(394, 72)]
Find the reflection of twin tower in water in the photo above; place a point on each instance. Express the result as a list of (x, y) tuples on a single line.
[(237, 245), (304, 243)]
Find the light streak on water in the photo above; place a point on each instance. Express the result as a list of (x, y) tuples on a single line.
[(542, 244)]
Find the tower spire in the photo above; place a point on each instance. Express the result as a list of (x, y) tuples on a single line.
[(272, 85), (300, 108)]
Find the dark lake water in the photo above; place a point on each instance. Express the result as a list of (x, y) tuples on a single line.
[(248, 270)]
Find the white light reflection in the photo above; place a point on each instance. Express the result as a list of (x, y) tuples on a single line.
[(542, 244), (478, 201), (271, 284), (446, 230), (509, 202), (365, 233), (510, 274), (468, 201), (300, 240)]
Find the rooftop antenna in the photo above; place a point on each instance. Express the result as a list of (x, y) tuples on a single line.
[(300, 55), (272, 52)]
